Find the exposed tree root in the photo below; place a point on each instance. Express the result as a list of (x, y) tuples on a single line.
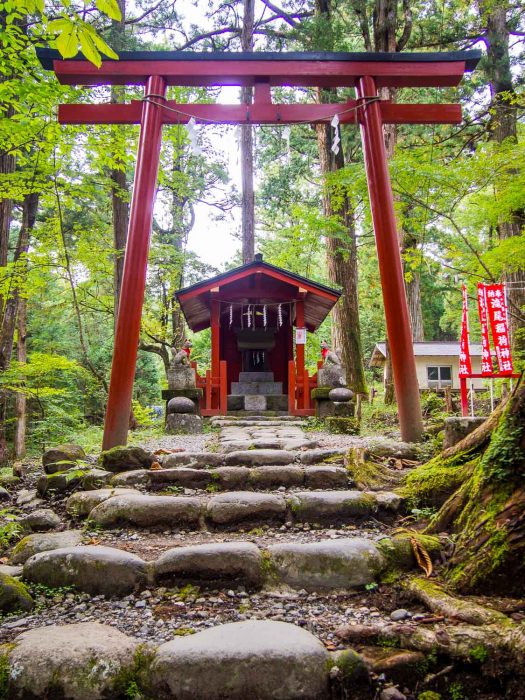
[(440, 602), (498, 647)]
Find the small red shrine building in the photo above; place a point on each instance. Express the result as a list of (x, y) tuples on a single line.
[(252, 311)]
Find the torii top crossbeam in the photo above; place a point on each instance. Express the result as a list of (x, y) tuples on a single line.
[(366, 72)]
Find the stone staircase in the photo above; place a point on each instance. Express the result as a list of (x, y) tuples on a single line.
[(265, 511), (257, 391)]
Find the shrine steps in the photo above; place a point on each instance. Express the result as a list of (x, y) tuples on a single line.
[(232, 509), (257, 391)]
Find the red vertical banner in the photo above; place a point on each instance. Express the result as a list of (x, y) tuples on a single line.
[(486, 360), (465, 364), (497, 313)]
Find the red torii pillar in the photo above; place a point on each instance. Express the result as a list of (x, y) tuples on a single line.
[(365, 72)]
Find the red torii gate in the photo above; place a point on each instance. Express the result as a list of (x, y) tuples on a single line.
[(366, 72)]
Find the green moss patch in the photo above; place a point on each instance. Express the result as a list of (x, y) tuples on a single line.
[(342, 426)]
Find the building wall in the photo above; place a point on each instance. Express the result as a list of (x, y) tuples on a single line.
[(424, 361)]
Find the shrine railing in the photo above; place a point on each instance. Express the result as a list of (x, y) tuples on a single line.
[(300, 386), (214, 401)]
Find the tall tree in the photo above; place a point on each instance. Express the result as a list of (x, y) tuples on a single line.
[(341, 250), (495, 18)]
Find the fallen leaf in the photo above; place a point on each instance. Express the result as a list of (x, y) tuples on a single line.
[(155, 466), (422, 556)]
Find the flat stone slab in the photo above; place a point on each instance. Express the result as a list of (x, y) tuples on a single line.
[(317, 456), (231, 477), (44, 542), (223, 561), (259, 457), (181, 476), (325, 477), (328, 565), (387, 500), (385, 447), (239, 506), (263, 660), (147, 511), (93, 569), (81, 503), (79, 662), (272, 477), (131, 478), (314, 506), (197, 460)]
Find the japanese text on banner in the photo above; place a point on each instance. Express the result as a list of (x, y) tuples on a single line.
[(497, 313), (465, 364), (486, 360)]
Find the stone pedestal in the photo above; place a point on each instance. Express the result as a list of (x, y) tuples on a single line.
[(183, 423), (181, 377), (458, 427), (194, 394), (331, 376), (327, 408)]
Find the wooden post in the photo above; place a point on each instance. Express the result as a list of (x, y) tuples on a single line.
[(390, 267), (299, 352), (464, 395), (135, 266), (223, 387), (215, 348), (291, 387), (306, 390)]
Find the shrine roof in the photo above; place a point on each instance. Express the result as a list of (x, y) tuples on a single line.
[(257, 282), (320, 68)]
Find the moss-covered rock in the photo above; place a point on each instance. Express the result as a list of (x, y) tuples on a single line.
[(342, 426), (62, 457), (123, 459), (60, 481), (87, 661), (432, 483), (321, 392), (14, 595)]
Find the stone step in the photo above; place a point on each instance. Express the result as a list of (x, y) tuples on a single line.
[(228, 445), (236, 508), (262, 659), (241, 419), (256, 377), (229, 478), (202, 460), (324, 565), (244, 388), (257, 402)]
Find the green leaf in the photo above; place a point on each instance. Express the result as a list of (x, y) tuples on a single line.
[(103, 47), (88, 47), (59, 25), (67, 41), (110, 8)]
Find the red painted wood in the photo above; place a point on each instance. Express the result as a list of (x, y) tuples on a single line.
[(464, 396), (299, 353), (258, 113), (390, 267), (134, 276), (223, 388), (291, 387), (496, 375), (208, 390), (306, 390), (247, 73), (256, 269), (215, 347)]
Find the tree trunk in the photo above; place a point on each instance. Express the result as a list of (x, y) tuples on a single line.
[(20, 400), (504, 126), (341, 259), (119, 183), (390, 393), (486, 508), (248, 198), (7, 329)]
